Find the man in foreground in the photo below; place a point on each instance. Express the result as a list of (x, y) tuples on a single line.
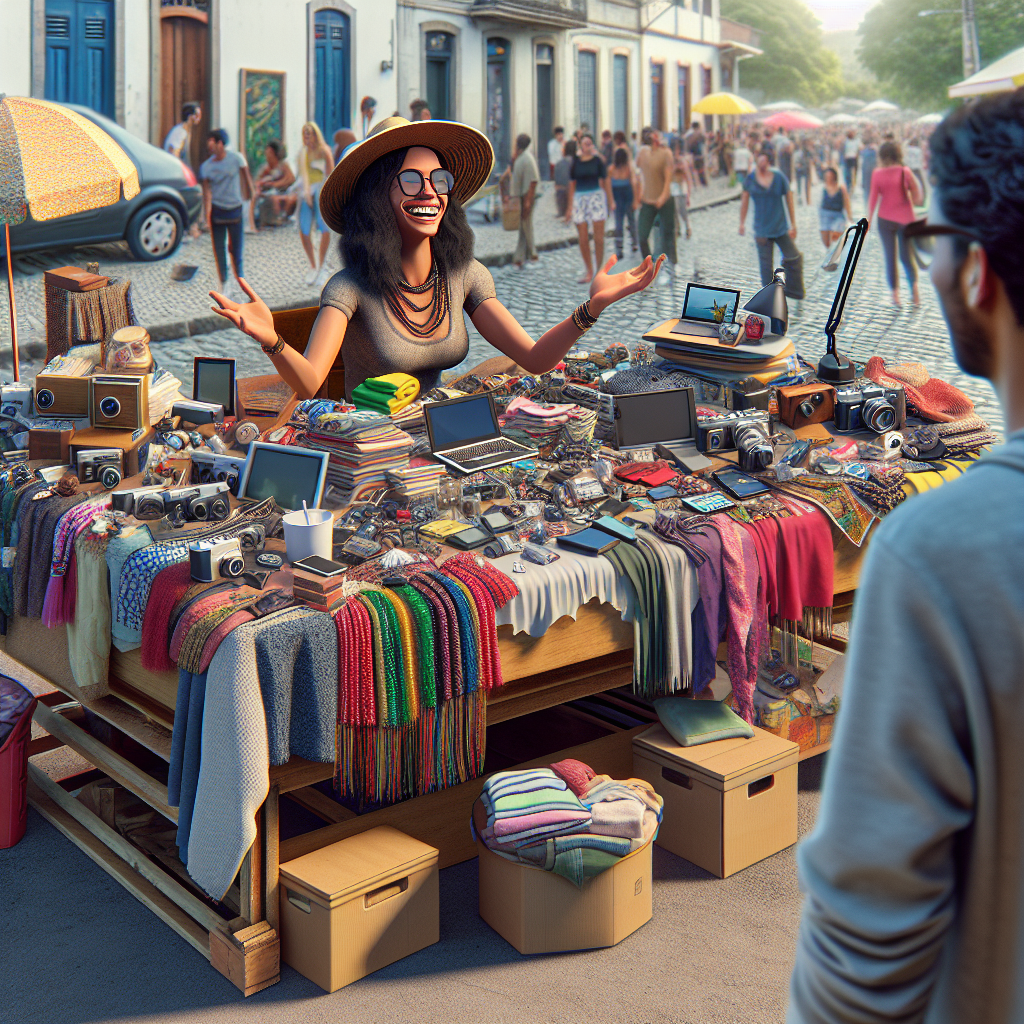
[(914, 870)]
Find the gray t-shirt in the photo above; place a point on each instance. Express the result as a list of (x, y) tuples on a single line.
[(223, 176), (373, 344)]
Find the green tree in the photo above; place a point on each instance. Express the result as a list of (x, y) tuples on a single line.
[(796, 65), (916, 59)]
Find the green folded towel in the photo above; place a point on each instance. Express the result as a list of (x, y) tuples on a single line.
[(691, 722)]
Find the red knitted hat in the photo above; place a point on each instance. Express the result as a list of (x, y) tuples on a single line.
[(576, 774), (934, 399)]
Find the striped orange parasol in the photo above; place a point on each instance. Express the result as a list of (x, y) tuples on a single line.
[(54, 162)]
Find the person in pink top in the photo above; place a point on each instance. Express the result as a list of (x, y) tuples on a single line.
[(895, 191)]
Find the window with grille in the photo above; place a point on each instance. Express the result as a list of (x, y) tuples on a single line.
[(586, 88)]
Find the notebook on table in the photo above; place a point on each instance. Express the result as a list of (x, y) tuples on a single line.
[(465, 436)]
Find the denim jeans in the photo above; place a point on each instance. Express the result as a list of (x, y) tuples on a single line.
[(624, 213), (666, 218), (765, 251), (226, 226), (891, 234)]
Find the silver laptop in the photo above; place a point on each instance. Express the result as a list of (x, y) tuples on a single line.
[(465, 436), (705, 308)]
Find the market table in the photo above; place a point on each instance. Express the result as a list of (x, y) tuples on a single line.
[(574, 658)]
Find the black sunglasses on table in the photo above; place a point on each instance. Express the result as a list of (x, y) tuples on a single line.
[(412, 182)]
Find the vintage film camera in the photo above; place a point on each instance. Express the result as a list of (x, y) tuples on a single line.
[(209, 468), (205, 503), (801, 404), (211, 560), (105, 465), (746, 433), (198, 412), (119, 401), (871, 407)]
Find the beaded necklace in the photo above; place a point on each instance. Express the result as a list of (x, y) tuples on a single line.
[(436, 308)]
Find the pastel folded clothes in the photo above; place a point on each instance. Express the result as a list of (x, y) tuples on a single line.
[(618, 816), (527, 827), (577, 858), (576, 774), (518, 804)]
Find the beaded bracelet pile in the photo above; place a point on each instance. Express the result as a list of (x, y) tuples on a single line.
[(583, 318)]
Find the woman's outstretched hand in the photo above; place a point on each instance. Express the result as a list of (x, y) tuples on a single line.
[(253, 316), (607, 288)]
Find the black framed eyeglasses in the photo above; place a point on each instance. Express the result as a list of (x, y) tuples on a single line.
[(412, 182), (921, 235)]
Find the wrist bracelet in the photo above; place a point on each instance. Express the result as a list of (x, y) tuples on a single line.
[(275, 349), (583, 318)]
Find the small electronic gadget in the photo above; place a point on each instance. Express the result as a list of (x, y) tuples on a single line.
[(465, 436), (738, 484), (61, 394), (496, 521), (538, 554), (213, 382), (708, 503), (705, 308), (359, 549), (210, 468), (612, 526), (211, 560), (648, 418), (661, 493), (269, 560), (590, 541), (198, 412), (16, 399), (689, 460), (319, 566), (613, 507), (470, 538), (119, 401), (287, 473), (801, 404), (102, 465)]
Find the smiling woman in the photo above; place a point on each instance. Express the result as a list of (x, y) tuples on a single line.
[(396, 200)]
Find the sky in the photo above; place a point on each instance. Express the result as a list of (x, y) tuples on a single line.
[(837, 15)]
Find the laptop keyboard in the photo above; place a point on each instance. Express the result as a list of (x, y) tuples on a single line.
[(474, 452)]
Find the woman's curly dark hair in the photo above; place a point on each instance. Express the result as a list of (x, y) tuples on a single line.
[(371, 246), (977, 165)]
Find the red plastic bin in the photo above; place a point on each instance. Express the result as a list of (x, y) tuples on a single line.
[(17, 706)]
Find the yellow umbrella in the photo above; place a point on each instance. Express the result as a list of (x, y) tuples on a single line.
[(54, 162), (723, 103)]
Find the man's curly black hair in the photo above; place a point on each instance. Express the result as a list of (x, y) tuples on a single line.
[(371, 246), (977, 164)]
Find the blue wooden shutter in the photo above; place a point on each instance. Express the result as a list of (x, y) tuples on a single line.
[(80, 53)]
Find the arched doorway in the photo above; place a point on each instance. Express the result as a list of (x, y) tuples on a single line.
[(184, 69), (332, 56), (439, 75)]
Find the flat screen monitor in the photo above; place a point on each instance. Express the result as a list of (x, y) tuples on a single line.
[(710, 305), (655, 417), (460, 421), (286, 473), (213, 380)]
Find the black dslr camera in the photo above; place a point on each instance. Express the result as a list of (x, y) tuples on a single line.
[(747, 434), (870, 407)]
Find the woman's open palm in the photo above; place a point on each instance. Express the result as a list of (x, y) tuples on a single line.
[(253, 317), (608, 288)]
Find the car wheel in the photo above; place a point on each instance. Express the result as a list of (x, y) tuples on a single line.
[(155, 232)]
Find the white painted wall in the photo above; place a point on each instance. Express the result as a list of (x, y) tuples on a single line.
[(16, 47), (137, 67)]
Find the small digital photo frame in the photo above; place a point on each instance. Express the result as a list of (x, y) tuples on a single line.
[(213, 380), (287, 473)]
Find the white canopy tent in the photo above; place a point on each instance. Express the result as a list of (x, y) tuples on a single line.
[(1003, 75)]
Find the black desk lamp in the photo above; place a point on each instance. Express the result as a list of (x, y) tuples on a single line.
[(833, 367)]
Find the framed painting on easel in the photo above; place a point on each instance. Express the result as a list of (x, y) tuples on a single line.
[(261, 117)]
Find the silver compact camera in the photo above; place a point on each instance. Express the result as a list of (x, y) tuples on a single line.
[(871, 407), (747, 433), (205, 503), (103, 465), (209, 468), (211, 560)]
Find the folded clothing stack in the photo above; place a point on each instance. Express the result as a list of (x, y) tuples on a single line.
[(388, 394), (565, 819), (548, 424), (420, 477)]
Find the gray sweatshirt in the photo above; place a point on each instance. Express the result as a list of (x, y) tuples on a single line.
[(913, 873)]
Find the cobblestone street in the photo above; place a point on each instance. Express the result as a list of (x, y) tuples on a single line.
[(538, 295)]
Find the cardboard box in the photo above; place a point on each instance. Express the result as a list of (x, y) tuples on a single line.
[(44, 443), (356, 906), (728, 804), (538, 911)]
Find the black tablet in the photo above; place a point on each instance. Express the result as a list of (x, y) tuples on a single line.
[(590, 541)]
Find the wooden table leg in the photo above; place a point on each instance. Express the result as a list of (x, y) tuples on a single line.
[(250, 876), (271, 839)]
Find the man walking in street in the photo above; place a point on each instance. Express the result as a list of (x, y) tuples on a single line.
[(224, 176), (693, 140), (525, 176), (656, 165), (914, 871), (784, 153), (555, 144), (770, 191), (179, 138)]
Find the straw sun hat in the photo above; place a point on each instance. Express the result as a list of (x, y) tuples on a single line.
[(466, 152)]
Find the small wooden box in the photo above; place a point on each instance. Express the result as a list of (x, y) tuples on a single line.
[(130, 396), (729, 803), (131, 442), (538, 911), (44, 443), (356, 906), (249, 958), (62, 396)]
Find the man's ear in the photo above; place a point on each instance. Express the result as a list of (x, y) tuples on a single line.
[(976, 277)]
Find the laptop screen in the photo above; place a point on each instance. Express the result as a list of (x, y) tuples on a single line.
[(460, 421), (655, 417), (710, 305)]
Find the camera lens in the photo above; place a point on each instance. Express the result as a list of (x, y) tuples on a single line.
[(218, 509), (715, 440), (44, 399), (110, 477), (206, 475), (756, 450), (110, 407), (149, 506), (232, 566), (879, 415), (199, 510), (810, 404)]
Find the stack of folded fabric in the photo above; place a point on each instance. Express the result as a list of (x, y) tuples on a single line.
[(420, 477), (389, 394), (164, 391), (565, 819), (546, 424)]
